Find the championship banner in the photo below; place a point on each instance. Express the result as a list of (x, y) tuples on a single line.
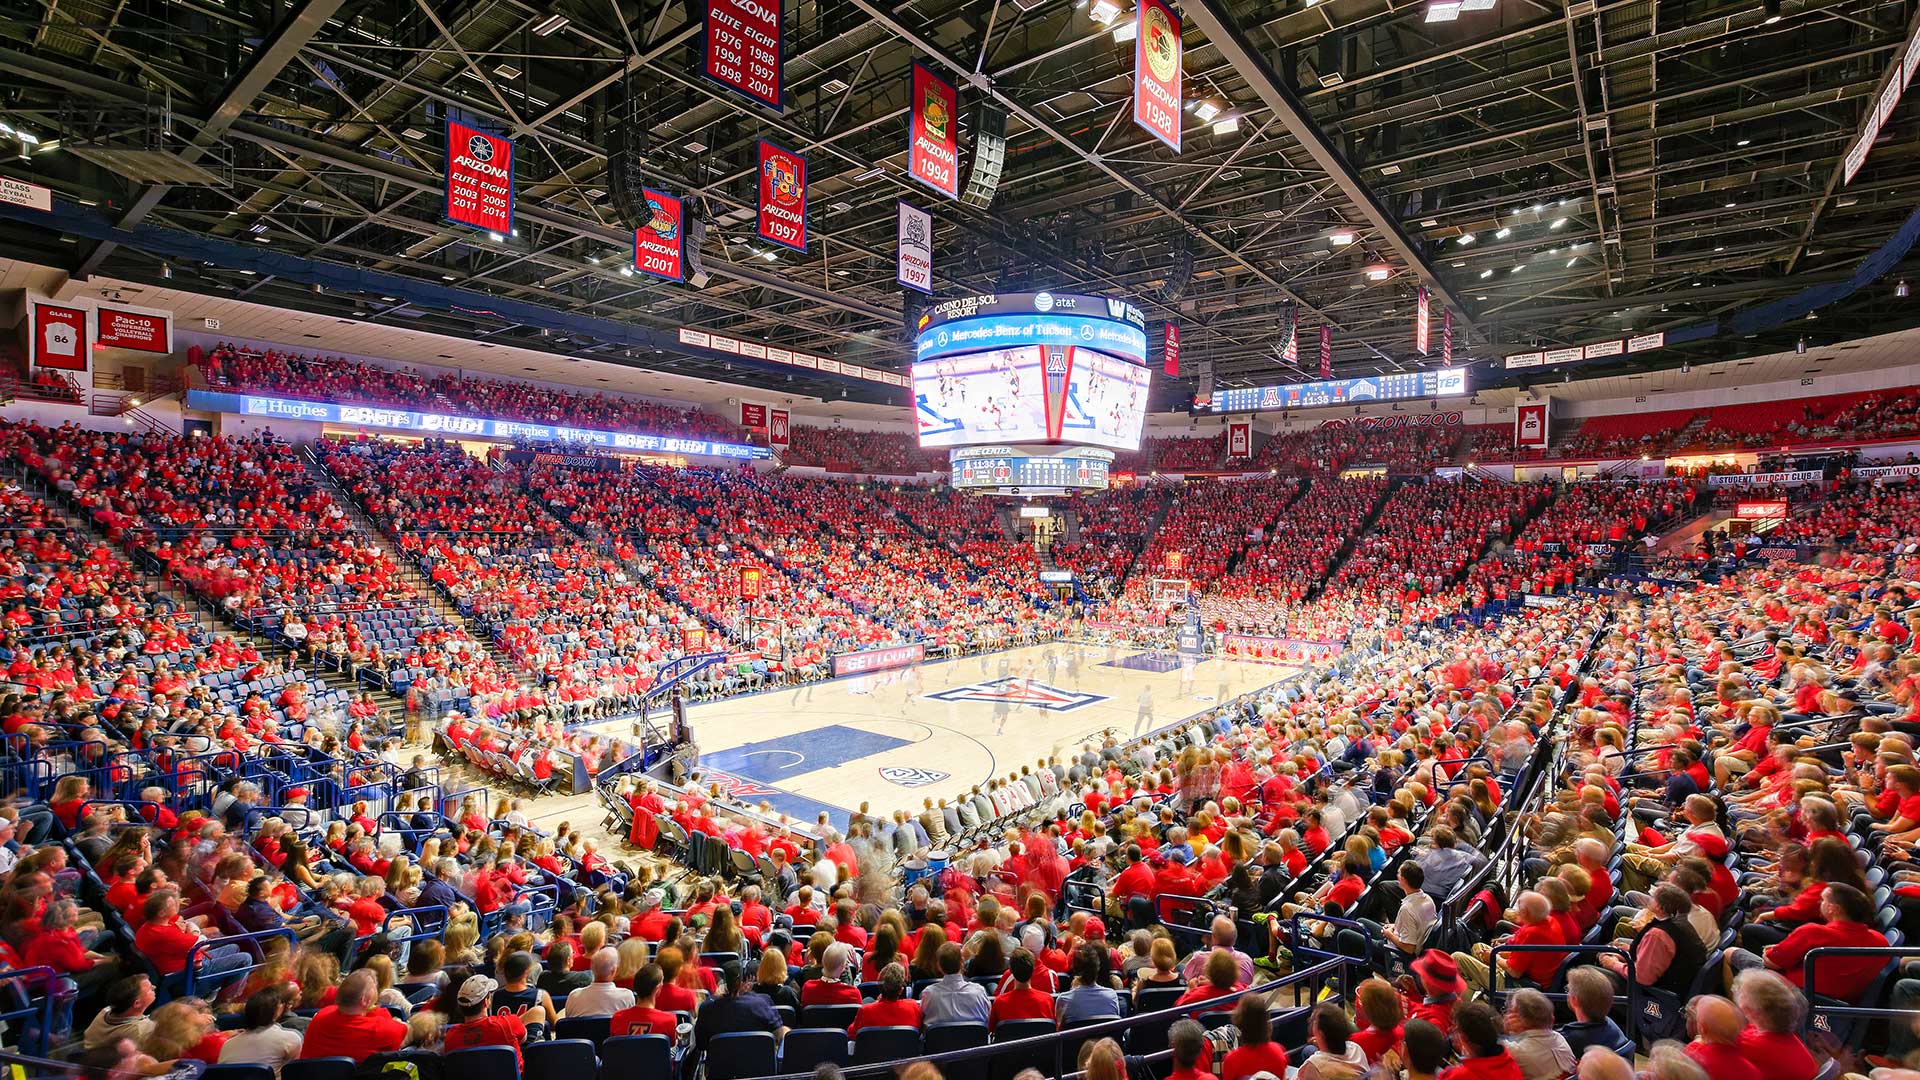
[(753, 415), (1170, 351), (783, 197), (744, 51), (1446, 338), (1422, 319), (60, 337), (660, 248), (914, 265), (1326, 352), (127, 328), (479, 179), (1156, 71), (750, 582), (779, 427), (1240, 439), (1290, 352), (1530, 426), (933, 151)]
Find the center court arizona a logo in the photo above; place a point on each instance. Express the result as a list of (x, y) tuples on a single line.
[(1021, 693)]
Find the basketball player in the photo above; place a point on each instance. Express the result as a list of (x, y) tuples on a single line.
[(1186, 674), (1145, 720)]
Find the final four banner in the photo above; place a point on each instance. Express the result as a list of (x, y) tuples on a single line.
[(1156, 71), (479, 179), (933, 153), (1422, 320), (783, 197), (1326, 352), (660, 248), (744, 50), (1240, 439), (1446, 338)]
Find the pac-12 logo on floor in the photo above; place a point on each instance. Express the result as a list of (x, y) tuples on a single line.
[(908, 776), (1010, 690)]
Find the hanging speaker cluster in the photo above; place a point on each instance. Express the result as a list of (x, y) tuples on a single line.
[(989, 155), (626, 183)]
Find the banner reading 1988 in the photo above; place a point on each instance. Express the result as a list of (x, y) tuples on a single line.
[(783, 197), (1156, 72), (743, 47), (659, 247), (479, 179)]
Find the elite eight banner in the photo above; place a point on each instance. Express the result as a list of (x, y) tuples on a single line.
[(479, 179)]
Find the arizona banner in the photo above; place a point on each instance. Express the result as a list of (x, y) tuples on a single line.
[(753, 416), (933, 156), (914, 262), (779, 427), (1446, 338), (130, 328), (1156, 71), (744, 50), (1240, 439), (783, 197), (479, 179), (60, 337), (1422, 320), (1290, 352), (1326, 352), (660, 248), (1170, 351)]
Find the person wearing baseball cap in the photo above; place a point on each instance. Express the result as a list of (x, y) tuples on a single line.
[(476, 1028)]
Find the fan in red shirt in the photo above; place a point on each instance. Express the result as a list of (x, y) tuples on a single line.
[(1482, 1056), (1020, 1001), (1257, 1051), (351, 1027), (893, 1009), (642, 1018)]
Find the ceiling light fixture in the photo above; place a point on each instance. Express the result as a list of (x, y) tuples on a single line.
[(1443, 11), (1465, 239), (1503, 234), (1206, 109), (1379, 272), (1104, 11), (1125, 30), (550, 25), (1340, 239), (1557, 222), (1227, 124), (1902, 290), (1485, 274), (1772, 8), (1744, 142)]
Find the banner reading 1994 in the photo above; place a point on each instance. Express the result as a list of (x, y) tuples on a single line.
[(479, 179), (933, 158), (659, 248), (743, 48), (1156, 72), (783, 197)]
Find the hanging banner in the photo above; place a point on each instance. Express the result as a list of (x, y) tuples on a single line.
[(129, 328), (1446, 338), (1423, 317), (660, 248), (783, 197), (914, 264), (60, 337), (779, 428), (933, 151), (479, 179), (1530, 426), (1240, 439), (744, 51), (1326, 352), (753, 416), (1291, 351), (1156, 71), (1170, 351)]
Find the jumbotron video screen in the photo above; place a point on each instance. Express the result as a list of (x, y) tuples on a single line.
[(1053, 390)]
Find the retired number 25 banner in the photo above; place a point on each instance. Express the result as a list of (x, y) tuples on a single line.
[(783, 197)]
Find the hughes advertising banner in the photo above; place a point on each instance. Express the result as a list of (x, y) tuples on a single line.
[(1156, 71), (1530, 426), (60, 337), (933, 153), (1170, 351), (783, 197), (914, 265), (753, 416), (1240, 439), (779, 427), (743, 48), (129, 328), (479, 179), (660, 248)]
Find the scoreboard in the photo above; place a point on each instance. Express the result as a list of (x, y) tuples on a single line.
[(1398, 386), (1005, 470)]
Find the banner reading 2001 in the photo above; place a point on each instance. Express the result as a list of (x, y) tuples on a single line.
[(933, 158), (783, 197), (659, 248), (479, 179), (743, 47), (1156, 72)]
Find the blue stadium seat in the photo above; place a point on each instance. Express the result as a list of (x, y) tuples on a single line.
[(593, 1029), (874, 1046), (561, 1059), (484, 1063), (326, 1068), (806, 1048), (637, 1056), (941, 1038), (739, 1055)]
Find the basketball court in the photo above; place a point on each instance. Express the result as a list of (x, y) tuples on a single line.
[(937, 729)]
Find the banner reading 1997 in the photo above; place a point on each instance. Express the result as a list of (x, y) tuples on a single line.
[(1156, 72), (783, 197), (743, 47), (479, 179), (933, 156), (659, 248)]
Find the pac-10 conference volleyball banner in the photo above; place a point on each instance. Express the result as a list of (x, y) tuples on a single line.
[(933, 153), (783, 197), (1156, 71), (744, 51), (479, 179)]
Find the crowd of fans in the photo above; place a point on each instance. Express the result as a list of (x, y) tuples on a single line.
[(844, 450)]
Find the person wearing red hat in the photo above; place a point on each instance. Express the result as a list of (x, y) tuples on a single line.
[(1433, 989)]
